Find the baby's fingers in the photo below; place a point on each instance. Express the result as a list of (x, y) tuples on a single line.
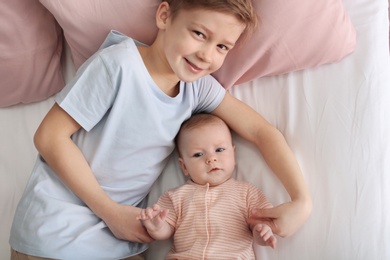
[(271, 241), (156, 207), (149, 213), (141, 215), (145, 214), (164, 213), (265, 234), (268, 238)]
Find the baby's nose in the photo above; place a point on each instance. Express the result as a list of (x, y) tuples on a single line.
[(210, 160)]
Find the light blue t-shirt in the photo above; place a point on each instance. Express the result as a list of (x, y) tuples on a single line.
[(128, 130)]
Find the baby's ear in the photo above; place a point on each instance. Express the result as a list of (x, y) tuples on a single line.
[(162, 15), (183, 166)]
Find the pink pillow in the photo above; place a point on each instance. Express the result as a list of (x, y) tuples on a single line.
[(86, 23), (30, 51), (293, 35)]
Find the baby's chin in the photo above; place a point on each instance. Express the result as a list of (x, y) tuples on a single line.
[(216, 183)]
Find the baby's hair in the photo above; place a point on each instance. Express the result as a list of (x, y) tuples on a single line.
[(195, 121), (242, 9)]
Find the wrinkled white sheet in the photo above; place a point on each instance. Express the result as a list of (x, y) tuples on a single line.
[(334, 117)]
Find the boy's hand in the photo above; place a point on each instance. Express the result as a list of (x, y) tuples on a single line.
[(284, 219), (122, 222), (153, 217), (262, 234)]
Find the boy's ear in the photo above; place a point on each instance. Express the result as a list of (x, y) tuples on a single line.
[(183, 167), (162, 15)]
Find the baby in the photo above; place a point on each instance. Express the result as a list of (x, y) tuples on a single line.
[(208, 214)]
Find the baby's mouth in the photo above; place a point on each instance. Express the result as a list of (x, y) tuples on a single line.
[(214, 169)]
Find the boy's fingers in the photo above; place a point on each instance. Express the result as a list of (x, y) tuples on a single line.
[(265, 212)]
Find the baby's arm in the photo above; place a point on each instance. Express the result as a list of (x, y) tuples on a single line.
[(263, 235), (154, 220)]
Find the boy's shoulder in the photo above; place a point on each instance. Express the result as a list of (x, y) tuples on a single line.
[(117, 50), (115, 37), (118, 46)]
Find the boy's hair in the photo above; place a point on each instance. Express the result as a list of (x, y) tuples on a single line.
[(196, 121), (242, 9)]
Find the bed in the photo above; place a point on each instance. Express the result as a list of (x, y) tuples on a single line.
[(334, 116)]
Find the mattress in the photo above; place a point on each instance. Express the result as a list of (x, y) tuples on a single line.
[(335, 118)]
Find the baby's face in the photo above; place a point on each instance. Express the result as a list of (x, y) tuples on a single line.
[(208, 154)]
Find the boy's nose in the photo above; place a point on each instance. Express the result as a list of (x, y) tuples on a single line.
[(205, 54)]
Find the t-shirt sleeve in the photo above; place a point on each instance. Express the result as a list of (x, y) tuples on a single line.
[(210, 94), (89, 95)]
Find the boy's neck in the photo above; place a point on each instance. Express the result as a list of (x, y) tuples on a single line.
[(160, 72)]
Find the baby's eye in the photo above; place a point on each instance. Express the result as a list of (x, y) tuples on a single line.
[(219, 150), (197, 154)]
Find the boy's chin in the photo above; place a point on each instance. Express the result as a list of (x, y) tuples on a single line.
[(191, 78)]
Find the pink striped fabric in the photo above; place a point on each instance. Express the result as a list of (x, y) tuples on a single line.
[(210, 222)]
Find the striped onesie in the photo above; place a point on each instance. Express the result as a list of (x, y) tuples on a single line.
[(210, 222)]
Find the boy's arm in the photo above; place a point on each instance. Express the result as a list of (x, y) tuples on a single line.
[(249, 124), (53, 142)]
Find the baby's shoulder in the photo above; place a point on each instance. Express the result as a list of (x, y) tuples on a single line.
[(242, 186)]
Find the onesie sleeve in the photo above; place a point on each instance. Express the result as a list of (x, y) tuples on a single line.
[(89, 95), (165, 202), (256, 199)]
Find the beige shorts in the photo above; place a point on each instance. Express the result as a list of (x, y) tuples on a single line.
[(20, 256)]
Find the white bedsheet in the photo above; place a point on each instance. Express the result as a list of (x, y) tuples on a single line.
[(336, 119)]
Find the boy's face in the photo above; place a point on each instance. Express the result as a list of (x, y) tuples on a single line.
[(197, 41), (207, 154)]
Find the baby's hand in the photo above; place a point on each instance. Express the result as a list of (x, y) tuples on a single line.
[(263, 235), (153, 217)]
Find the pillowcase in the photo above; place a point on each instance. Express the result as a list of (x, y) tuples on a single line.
[(86, 23), (293, 35), (30, 51)]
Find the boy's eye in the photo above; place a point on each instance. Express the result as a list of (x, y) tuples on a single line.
[(219, 150), (223, 47), (197, 154), (199, 34)]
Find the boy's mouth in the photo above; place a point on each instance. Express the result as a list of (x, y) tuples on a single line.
[(193, 66)]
